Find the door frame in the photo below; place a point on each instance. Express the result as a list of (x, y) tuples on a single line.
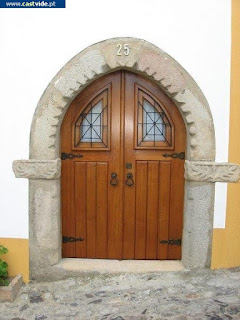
[(43, 168)]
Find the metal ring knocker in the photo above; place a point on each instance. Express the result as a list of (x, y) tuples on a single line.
[(129, 182), (114, 180)]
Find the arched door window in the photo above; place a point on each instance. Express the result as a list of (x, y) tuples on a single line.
[(91, 128)]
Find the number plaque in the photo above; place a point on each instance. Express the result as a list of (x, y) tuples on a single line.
[(123, 49)]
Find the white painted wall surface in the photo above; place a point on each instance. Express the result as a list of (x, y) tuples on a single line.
[(36, 43)]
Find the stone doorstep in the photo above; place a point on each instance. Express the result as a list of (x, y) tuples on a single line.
[(118, 266), (10, 292)]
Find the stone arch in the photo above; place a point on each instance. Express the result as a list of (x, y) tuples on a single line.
[(43, 167), (102, 58)]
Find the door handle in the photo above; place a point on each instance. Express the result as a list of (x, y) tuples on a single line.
[(129, 182), (114, 180)]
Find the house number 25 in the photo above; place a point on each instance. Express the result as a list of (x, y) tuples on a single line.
[(123, 49)]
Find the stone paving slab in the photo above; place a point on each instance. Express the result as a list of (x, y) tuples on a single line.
[(182, 295)]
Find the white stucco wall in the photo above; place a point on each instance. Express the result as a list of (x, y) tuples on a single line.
[(36, 43)]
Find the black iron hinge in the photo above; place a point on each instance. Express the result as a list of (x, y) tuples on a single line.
[(65, 156), (176, 242), (71, 239), (180, 155)]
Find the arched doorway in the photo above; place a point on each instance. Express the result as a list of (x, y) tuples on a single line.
[(123, 145), (43, 169)]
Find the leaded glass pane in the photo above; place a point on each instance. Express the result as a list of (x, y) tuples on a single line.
[(91, 129), (153, 125), (154, 129), (91, 126)]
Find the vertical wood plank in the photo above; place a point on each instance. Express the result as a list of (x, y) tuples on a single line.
[(152, 210), (115, 165), (114, 221), (176, 207), (129, 221), (67, 183), (141, 209), (68, 212), (129, 157), (164, 207), (102, 210), (91, 209), (80, 208)]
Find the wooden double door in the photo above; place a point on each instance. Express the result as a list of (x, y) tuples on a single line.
[(122, 148)]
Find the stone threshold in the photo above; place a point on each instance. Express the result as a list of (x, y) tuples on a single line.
[(118, 266)]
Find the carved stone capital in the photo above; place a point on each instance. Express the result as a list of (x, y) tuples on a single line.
[(211, 171), (37, 169)]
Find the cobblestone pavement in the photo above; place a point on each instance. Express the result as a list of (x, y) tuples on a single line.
[(182, 295)]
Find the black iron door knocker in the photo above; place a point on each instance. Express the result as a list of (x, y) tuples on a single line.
[(114, 180), (129, 182)]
